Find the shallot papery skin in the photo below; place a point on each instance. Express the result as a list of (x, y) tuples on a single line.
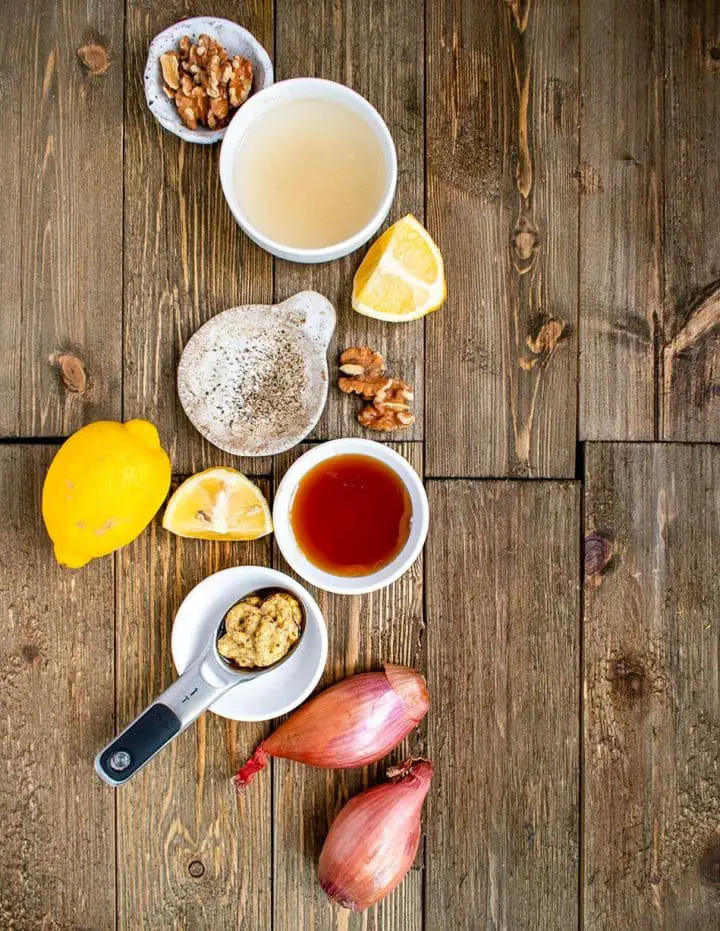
[(372, 843), (352, 723)]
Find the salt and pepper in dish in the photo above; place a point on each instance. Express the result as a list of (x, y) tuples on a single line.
[(253, 380)]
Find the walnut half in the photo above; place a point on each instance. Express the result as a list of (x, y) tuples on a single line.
[(379, 417), (390, 409), (170, 65), (362, 372)]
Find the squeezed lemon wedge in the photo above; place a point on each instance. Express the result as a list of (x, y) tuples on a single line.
[(402, 277), (218, 504)]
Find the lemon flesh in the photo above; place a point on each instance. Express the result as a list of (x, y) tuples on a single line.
[(402, 277), (104, 486), (218, 504)]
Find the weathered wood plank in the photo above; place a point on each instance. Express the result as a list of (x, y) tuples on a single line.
[(652, 689), (190, 853), (502, 136), (620, 248), (61, 214), (57, 857), (503, 614), (377, 49), (364, 632), (185, 257), (690, 392)]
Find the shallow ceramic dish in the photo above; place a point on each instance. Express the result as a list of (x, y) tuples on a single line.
[(307, 89), (350, 585), (254, 380), (276, 692), (235, 40)]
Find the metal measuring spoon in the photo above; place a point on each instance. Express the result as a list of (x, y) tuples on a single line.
[(202, 683)]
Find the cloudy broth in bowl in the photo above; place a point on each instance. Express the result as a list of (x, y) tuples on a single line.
[(309, 173)]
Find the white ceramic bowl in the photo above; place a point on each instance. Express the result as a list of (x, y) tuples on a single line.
[(235, 40), (279, 690), (306, 89), (350, 585)]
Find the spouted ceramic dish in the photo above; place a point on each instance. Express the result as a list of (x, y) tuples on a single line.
[(254, 380)]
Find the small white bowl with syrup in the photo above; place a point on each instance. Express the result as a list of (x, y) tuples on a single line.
[(308, 168), (351, 516)]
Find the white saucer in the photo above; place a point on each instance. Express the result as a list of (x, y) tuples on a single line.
[(276, 692)]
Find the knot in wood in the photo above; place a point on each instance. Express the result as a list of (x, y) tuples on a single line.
[(709, 865), (72, 371), (598, 553), (628, 678), (94, 58), (30, 653), (524, 245), (196, 869)]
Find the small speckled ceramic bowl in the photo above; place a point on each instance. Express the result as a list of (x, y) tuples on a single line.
[(235, 40)]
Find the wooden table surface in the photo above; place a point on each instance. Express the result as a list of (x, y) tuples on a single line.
[(565, 157)]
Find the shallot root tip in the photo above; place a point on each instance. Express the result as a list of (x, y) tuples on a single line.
[(337, 895), (413, 766), (245, 775)]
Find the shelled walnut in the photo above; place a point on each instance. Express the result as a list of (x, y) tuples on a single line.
[(205, 83), (364, 374), (379, 417)]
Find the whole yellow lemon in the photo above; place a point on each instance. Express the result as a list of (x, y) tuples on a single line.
[(103, 488)]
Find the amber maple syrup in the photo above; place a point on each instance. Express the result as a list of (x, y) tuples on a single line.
[(351, 515)]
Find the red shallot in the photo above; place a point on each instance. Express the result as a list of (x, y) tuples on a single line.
[(353, 723), (372, 843)]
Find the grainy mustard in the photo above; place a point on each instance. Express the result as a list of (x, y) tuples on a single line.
[(259, 632)]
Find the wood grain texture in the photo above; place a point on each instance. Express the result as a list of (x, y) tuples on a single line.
[(60, 213), (57, 857), (364, 631), (185, 257), (652, 690), (690, 396), (502, 137), (620, 181), (503, 619), (377, 49), (191, 854)]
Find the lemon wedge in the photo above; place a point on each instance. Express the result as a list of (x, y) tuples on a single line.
[(402, 277), (218, 504)]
